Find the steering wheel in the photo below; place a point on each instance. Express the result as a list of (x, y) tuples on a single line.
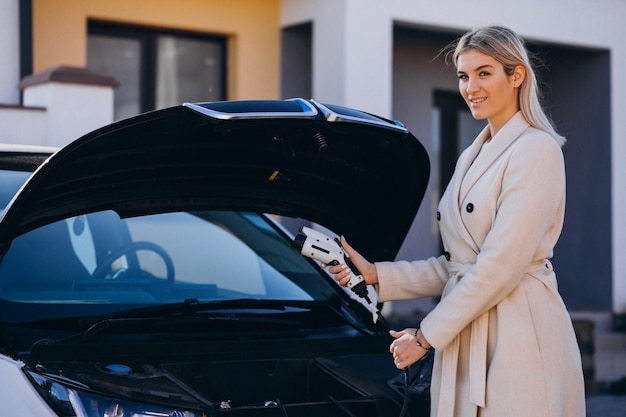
[(102, 269)]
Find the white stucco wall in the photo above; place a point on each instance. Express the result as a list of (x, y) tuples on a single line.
[(352, 42), (9, 52), (22, 126), (351, 51), (71, 110)]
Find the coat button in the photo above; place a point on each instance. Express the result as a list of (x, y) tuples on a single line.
[(446, 255), (438, 216), (469, 207)]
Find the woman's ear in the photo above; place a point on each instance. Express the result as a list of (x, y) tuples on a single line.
[(518, 76)]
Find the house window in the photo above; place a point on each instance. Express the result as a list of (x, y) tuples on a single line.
[(157, 68)]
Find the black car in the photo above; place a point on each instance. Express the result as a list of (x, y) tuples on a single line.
[(149, 267)]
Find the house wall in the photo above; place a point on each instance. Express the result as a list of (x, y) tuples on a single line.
[(582, 258), (251, 28)]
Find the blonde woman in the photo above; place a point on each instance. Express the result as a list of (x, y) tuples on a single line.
[(503, 339)]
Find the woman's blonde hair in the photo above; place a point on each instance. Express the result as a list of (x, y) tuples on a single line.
[(509, 49)]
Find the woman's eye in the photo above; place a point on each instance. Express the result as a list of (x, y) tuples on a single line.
[(462, 76), (484, 73)]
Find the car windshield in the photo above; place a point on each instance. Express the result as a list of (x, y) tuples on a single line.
[(100, 260)]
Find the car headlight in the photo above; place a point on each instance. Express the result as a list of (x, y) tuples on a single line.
[(69, 399)]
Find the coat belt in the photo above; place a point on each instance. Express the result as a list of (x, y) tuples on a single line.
[(478, 345)]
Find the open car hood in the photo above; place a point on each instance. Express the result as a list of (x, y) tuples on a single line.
[(357, 174)]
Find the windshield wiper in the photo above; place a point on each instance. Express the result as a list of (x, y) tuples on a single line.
[(213, 311), (187, 309), (192, 306)]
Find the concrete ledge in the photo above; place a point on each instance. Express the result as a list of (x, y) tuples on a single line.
[(602, 348), (65, 74), (69, 103)]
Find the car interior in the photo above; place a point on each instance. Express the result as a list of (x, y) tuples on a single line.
[(168, 257)]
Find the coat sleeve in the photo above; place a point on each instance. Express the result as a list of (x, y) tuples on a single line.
[(528, 221), (403, 280)]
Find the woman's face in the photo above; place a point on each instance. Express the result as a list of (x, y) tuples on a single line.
[(488, 90)]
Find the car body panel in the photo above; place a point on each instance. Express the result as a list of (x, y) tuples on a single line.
[(20, 398)]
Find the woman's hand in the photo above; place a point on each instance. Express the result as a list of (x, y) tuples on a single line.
[(342, 272), (405, 349)]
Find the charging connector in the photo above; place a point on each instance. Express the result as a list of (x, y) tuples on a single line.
[(316, 245)]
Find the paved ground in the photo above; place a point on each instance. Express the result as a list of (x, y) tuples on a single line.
[(606, 405)]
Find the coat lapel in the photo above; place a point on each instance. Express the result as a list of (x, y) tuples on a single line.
[(450, 203), (481, 160), (472, 164)]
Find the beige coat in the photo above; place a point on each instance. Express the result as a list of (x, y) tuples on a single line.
[(505, 345)]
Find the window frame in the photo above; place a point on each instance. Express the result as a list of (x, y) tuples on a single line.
[(148, 38)]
